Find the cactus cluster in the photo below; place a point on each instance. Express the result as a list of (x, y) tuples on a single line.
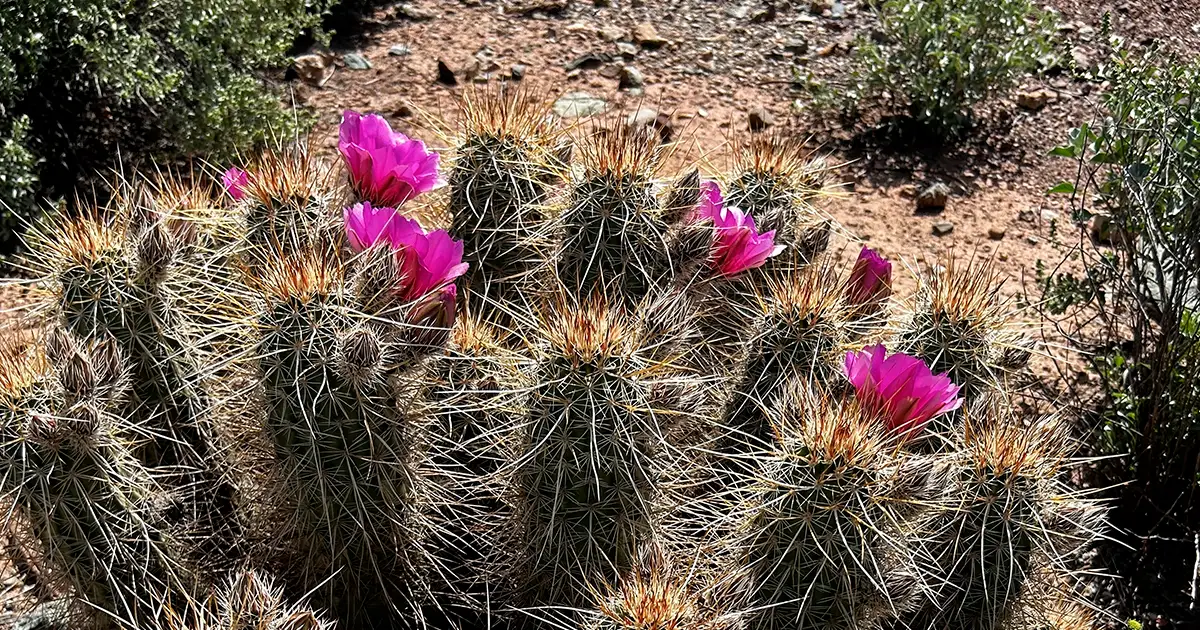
[(655, 402)]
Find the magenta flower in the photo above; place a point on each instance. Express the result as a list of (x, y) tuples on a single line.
[(386, 168), (428, 261), (235, 181), (738, 245), (871, 278), (367, 225), (901, 388)]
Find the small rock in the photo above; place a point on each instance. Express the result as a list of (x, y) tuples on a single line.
[(355, 61), (445, 75), (1035, 100), (942, 228), (797, 46), (630, 77), (1032, 240), (933, 198), (314, 69), (760, 119), (613, 33), (997, 233), (767, 14), (837, 10), (908, 191), (602, 3), (647, 36), (518, 71), (701, 112), (611, 71), (828, 49), (399, 50), (648, 117), (1049, 215), (627, 50), (574, 74), (1082, 59), (578, 105), (402, 111), (1028, 216), (588, 61), (539, 6), (817, 7), (738, 12), (415, 13)]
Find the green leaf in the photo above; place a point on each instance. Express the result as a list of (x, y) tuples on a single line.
[(1062, 188)]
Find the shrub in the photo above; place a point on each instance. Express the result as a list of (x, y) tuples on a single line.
[(1134, 303), (937, 58), (86, 83)]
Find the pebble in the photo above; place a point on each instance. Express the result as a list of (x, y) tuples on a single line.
[(518, 71), (314, 70), (1028, 216), (355, 61), (613, 33), (415, 13), (1032, 240), (997, 233), (578, 105), (647, 36), (1049, 215), (942, 228), (630, 78), (796, 45), (399, 50), (760, 119), (625, 49), (1035, 100), (701, 112), (587, 61), (933, 198)]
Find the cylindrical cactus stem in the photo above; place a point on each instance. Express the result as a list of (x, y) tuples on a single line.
[(75, 483), (774, 178), (120, 278), (507, 161), (960, 324), (800, 333), (346, 448), (586, 484), (248, 600), (821, 541), (614, 232), (1006, 518), (285, 201)]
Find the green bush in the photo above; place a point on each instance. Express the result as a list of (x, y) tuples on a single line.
[(87, 83), (933, 60), (1135, 302)]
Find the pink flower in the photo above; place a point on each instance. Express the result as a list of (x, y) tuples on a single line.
[(738, 245), (235, 181), (871, 278), (386, 168), (367, 225), (901, 388), (427, 261)]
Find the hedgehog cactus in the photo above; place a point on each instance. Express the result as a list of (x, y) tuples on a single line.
[(587, 488), (284, 195), (614, 231), (1006, 521), (774, 180), (960, 325), (658, 594), (70, 470), (247, 601), (506, 164), (822, 540)]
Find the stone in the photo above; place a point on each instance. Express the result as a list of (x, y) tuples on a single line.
[(355, 61), (817, 7), (645, 35), (933, 198), (1028, 216), (415, 13), (738, 13), (942, 228), (796, 45), (399, 50), (588, 61), (613, 33), (578, 105), (539, 6), (518, 71), (837, 10), (314, 69), (997, 232), (767, 14), (646, 117), (402, 111), (701, 112), (445, 75), (1032, 240), (1035, 100), (1049, 215), (760, 119), (630, 77), (1082, 59), (627, 50)]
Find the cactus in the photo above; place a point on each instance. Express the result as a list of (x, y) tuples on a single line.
[(800, 334), (1006, 519), (508, 159), (126, 277), (69, 467), (774, 178), (247, 601), (285, 202), (614, 231), (822, 540), (587, 491), (333, 363), (960, 325)]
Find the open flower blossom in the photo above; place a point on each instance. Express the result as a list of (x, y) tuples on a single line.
[(427, 260), (386, 168), (870, 279), (367, 225), (235, 181), (738, 245), (901, 388)]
